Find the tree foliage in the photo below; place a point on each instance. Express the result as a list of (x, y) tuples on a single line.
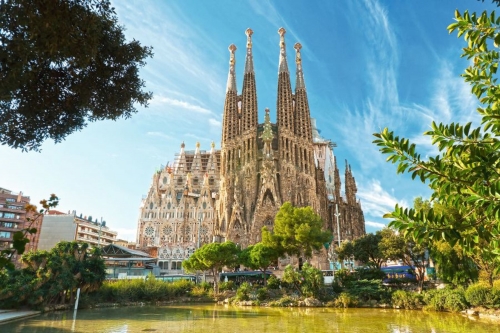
[(52, 277), (345, 250), (453, 265), (64, 63), (297, 231), (213, 257), (259, 257), (20, 237), (308, 282), (465, 175), (396, 246), (367, 249)]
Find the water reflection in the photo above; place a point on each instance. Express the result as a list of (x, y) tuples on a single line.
[(213, 319)]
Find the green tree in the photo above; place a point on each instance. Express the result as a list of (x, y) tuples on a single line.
[(453, 265), (259, 256), (308, 282), (396, 246), (465, 175), (64, 63), (52, 277), (345, 250), (297, 231), (367, 249), (213, 257), (21, 237)]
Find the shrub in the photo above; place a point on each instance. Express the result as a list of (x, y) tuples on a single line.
[(199, 291), (345, 300), (370, 273), (309, 281), (284, 302), (343, 277), (455, 301), (477, 294), (154, 290), (123, 291), (206, 286), (229, 285), (243, 292), (406, 299), (179, 288), (480, 294), (262, 294), (273, 282), (367, 290), (445, 300), (336, 287)]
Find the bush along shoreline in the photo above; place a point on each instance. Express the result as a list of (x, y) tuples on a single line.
[(300, 289), (304, 288)]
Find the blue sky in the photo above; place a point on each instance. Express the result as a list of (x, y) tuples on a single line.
[(367, 65)]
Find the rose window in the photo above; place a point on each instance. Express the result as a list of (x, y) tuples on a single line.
[(150, 231), (167, 230), (203, 230)]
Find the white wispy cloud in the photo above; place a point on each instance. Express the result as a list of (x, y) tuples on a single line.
[(197, 137), (160, 134), (182, 48), (381, 107), (268, 10), (383, 60), (181, 104), (375, 224), (214, 123), (375, 200), (453, 100)]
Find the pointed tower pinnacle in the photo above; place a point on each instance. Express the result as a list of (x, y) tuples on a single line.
[(283, 66), (249, 115), (231, 78), (249, 58), (299, 84), (267, 136)]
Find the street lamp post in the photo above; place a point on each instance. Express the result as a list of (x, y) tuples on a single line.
[(337, 214)]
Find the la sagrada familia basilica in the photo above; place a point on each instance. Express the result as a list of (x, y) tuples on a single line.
[(230, 194)]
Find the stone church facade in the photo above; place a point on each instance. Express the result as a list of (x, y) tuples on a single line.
[(231, 193)]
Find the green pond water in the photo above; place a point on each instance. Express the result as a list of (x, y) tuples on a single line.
[(219, 318)]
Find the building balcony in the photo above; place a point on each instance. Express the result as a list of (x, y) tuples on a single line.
[(11, 209)]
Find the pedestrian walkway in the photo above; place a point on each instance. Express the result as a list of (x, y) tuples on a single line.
[(11, 315)]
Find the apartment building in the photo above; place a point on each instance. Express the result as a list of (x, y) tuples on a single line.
[(13, 217), (58, 226)]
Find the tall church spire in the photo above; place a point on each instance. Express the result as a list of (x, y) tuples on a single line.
[(231, 78), (249, 58), (285, 100), (283, 66), (302, 114), (230, 118), (249, 116), (299, 84), (350, 185)]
